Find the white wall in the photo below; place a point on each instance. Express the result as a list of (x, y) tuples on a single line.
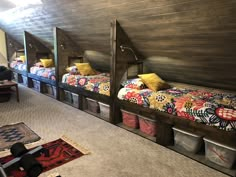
[(3, 51)]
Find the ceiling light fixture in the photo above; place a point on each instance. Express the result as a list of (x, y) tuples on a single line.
[(123, 48)]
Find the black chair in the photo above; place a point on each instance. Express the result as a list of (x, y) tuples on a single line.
[(5, 74)]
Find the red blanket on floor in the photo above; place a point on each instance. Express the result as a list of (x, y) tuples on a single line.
[(60, 152)]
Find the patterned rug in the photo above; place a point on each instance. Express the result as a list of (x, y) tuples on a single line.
[(61, 151), (10, 134)]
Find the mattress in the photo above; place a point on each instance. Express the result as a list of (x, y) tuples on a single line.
[(18, 65), (214, 108), (97, 83), (48, 73)]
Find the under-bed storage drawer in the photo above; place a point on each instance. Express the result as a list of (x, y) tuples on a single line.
[(75, 100), (93, 105), (49, 89), (36, 85), (187, 141), (147, 126), (219, 153), (17, 77), (54, 89), (25, 80), (130, 119), (67, 96), (71, 98), (104, 111)]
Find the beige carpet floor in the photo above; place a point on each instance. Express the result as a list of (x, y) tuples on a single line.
[(115, 151)]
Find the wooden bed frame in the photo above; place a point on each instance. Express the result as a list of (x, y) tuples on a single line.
[(35, 50), (13, 47), (67, 52), (165, 121)]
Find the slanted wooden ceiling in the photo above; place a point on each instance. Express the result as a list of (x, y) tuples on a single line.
[(190, 41), (6, 5)]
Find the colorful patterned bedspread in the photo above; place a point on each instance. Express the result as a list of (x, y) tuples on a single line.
[(18, 65), (48, 73), (211, 108), (97, 83)]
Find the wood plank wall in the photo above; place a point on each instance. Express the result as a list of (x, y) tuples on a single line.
[(98, 60), (64, 47), (12, 46), (34, 50), (191, 41)]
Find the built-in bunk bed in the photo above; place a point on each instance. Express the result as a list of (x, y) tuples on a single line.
[(41, 66), (16, 60), (83, 83), (196, 121)]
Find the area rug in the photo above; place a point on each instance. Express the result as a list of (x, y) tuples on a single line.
[(61, 151), (19, 132)]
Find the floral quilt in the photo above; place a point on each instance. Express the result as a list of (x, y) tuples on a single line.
[(48, 73), (97, 83), (211, 108), (18, 65)]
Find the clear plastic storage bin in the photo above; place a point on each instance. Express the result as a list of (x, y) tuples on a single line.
[(93, 105), (187, 141), (147, 126), (75, 100), (219, 153), (104, 111), (130, 119), (54, 91), (25, 80), (49, 89), (36, 85), (15, 76), (68, 96)]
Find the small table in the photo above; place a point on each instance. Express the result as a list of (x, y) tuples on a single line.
[(9, 84)]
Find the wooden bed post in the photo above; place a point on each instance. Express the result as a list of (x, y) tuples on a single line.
[(165, 134), (119, 64), (55, 37)]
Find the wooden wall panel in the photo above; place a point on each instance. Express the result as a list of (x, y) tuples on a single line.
[(34, 50), (190, 41), (64, 47), (12, 46), (119, 64), (98, 60)]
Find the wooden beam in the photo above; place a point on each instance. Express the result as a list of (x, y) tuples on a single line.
[(119, 62)]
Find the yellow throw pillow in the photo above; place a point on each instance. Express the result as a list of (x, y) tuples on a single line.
[(22, 58), (153, 81), (85, 69), (47, 62)]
